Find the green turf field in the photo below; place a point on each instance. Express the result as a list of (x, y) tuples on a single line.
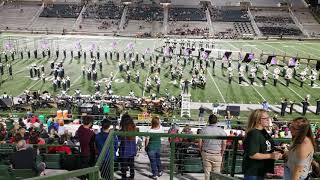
[(217, 88)]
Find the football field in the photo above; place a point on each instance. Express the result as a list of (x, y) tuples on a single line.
[(217, 86)]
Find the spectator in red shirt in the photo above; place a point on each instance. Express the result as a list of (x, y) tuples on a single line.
[(35, 139), (86, 138), (34, 119)]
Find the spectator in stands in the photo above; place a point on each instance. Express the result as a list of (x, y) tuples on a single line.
[(86, 138), (300, 154), (153, 148), (100, 140), (62, 148), (201, 113), (128, 147), (35, 139), (24, 158), (212, 150), (259, 154), (103, 135), (228, 119)]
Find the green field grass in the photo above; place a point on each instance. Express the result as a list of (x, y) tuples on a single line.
[(217, 88)]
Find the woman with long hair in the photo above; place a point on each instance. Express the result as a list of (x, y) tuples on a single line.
[(259, 154), (153, 147), (300, 154), (128, 146)]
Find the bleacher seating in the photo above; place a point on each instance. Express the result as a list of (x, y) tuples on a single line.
[(17, 17), (243, 27), (53, 24), (275, 23), (280, 31), (62, 11), (229, 15), (145, 13), (103, 11), (193, 28), (187, 14)]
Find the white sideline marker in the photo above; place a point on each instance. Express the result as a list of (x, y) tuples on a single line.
[(217, 88)]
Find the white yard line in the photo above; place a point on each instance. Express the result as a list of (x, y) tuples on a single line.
[(297, 50), (254, 88), (74, 82), (310, 47), (217, 87), (144, 86), (273, 47), (292, 90)]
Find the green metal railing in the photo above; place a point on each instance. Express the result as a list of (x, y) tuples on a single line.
[(93, 173), (172, 146)]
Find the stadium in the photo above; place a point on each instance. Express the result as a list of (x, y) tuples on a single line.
[(73, 67)]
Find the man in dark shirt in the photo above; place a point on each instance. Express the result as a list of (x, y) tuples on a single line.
[(24, 158), (86, 138), (318, 107), (284, 104), (305, 105)]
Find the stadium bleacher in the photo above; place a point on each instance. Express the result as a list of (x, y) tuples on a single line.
[(61, 11), (186, 14)]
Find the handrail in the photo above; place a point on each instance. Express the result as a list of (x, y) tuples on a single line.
[(75, 173), (191, 136)]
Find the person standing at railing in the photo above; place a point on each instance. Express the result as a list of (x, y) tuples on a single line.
[(128, 147), (300, 154), (100, 141), (212, 150), (259, 154), (86, 138), (153, 147)]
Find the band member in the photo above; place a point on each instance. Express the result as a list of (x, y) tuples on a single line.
[(313, 77), (302, 78), (241, 74), (305, 105), (288, 76), (284, 104), (275, 75), (64, 54), (265, 77), (137, 77), (57, 53), (230, 74), (252, 75)]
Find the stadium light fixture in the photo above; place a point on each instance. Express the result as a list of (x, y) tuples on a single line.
[(126, 2), (165, 2)]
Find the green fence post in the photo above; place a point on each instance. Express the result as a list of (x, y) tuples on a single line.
[(234, 155), (172, 153), (112, 155)]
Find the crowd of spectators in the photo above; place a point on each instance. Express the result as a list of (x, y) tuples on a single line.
[(187, 14), (273, 19), (229, 15), (31, 131), (146, 13), (190, 31), (61, 11), (103, 11), (108, 25), (289, 31)]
